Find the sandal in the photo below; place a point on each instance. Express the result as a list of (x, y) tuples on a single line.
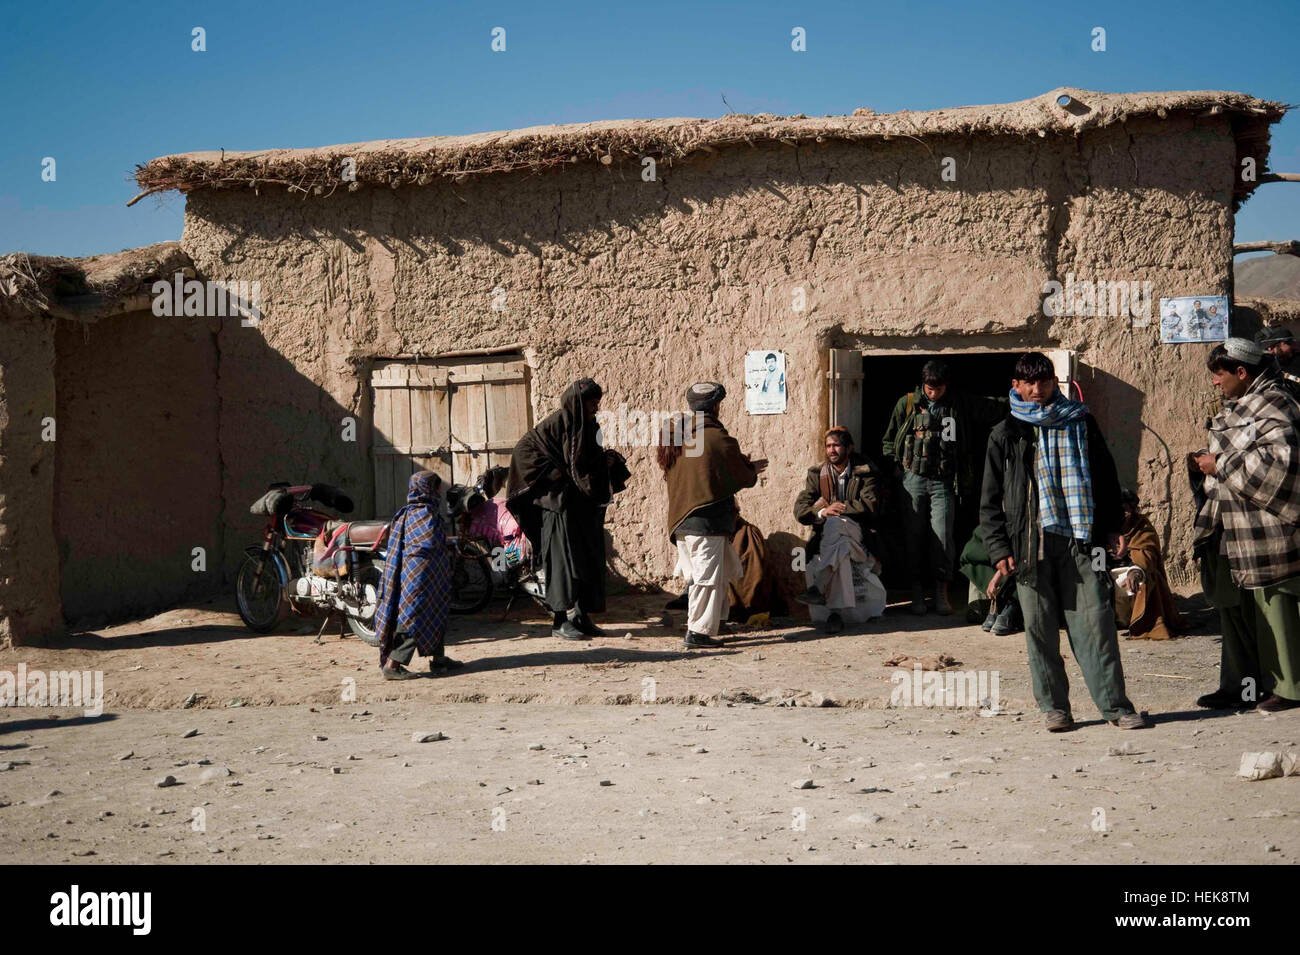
[(398, 673), (444, 663)]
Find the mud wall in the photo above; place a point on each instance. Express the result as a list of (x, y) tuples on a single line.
[(29, 567), (137, 484), (647, 286)]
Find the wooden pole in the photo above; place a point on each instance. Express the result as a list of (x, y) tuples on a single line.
[(1289, 247), (147, 192)]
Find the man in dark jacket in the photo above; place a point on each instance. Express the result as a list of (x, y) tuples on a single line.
[(844, 485), (1050, 492), (932, 440)]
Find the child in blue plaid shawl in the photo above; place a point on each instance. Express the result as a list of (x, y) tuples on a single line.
[(415, 594)]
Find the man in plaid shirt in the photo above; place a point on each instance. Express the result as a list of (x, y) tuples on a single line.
[(1252, 486)]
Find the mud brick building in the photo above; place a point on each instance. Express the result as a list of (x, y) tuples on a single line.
[(430, 299)]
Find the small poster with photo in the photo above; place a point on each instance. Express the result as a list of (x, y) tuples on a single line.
[(1201, 318), (765, 382)]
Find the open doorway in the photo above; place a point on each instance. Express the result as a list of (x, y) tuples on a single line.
[(886, 378)]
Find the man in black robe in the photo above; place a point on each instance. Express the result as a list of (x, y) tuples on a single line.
[(558, 488)]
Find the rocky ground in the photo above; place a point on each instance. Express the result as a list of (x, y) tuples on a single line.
[(627, 749)]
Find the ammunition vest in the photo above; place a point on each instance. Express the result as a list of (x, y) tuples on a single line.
[(924, 450)]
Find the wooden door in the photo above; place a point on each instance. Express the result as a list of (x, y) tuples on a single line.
[(456, 417), (844, 378), (411, 421)]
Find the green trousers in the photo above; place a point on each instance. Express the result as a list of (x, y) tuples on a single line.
[(1279, 650), (1065, 584), (1245, 632)]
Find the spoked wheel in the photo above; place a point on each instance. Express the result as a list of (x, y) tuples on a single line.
[(260, 594), (361, 615), (471, 578)]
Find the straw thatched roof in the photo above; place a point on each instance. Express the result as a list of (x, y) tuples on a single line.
[(399, 162), (89, 288)]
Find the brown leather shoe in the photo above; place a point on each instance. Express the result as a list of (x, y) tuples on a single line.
[(1276, 704), (1131, 721), (1059, 721)]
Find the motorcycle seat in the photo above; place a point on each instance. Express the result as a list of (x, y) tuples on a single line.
[(366, 532)]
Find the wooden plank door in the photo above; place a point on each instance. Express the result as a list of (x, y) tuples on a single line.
[(455, 417), (489, 413), (411, 423)]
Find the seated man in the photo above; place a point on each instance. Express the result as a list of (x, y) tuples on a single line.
[(753, 592), (1144, 604), (842, 487)]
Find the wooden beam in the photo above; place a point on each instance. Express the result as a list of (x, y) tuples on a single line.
[(1288, 247), (463, 353)]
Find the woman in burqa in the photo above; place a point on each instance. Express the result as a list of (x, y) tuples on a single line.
[(558, 487)]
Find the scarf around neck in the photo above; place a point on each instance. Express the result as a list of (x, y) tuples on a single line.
[(1065, 503)]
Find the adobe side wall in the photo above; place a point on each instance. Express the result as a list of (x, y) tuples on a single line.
[(138, 484)]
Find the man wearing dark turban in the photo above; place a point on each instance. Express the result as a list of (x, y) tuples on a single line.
[(703, 480), (558, 488)]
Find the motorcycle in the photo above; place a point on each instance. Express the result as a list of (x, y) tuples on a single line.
[(480, 563), (282, 576)]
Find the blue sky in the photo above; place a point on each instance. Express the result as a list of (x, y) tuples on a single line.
[(103, 86)]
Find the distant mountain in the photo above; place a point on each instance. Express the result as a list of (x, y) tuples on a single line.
[(1268, 276)]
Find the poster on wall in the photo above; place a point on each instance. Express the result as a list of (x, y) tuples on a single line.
[(765, 382), (1194, 319)]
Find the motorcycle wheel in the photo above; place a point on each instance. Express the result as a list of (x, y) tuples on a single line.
[(261, 598), (471, 579), (363, 625)]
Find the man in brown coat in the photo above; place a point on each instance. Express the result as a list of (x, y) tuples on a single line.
[(703, 478)]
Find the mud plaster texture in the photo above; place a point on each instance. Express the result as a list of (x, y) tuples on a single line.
[(648, 286)]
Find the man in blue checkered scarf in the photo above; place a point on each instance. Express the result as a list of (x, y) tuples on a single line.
[(415, 593), (1061, 465), (1050, 505)]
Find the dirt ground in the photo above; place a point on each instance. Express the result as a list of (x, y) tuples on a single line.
[(556, 753)]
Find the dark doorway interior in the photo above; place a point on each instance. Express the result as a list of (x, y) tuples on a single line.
[(886, 378)]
